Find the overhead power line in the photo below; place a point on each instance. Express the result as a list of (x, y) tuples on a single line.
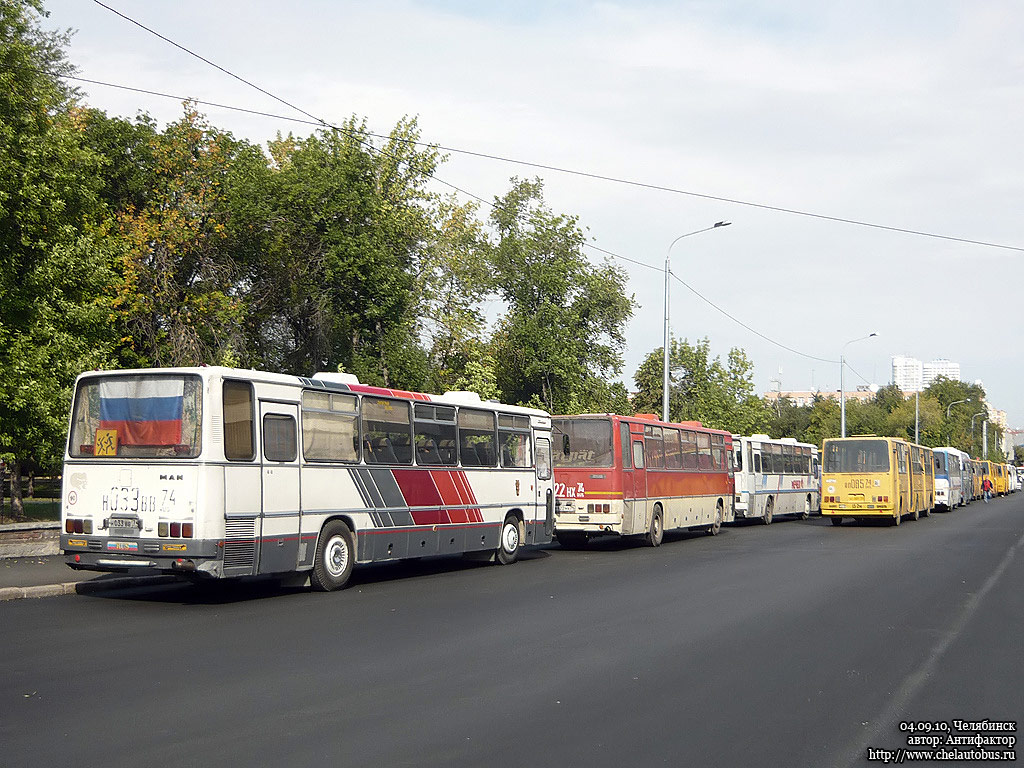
[(315, 120)]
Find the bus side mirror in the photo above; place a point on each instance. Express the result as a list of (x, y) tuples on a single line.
[(565, 444)]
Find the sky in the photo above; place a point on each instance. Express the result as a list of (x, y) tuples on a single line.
[(904, 116)]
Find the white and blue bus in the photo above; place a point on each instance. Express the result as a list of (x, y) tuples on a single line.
[(949, 478), (775, 477)]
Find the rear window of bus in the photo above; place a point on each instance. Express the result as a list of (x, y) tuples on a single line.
[(139, 416)]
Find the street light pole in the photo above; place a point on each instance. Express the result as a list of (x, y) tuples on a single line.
[(664, 377), (842, 385), (917, 415), (949, 430), (979, 413)]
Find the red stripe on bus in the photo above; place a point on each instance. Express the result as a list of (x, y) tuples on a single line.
[(420, 490)]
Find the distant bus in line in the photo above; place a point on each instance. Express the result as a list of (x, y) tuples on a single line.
[(219, 472), (774, 477), (871, 477), (638, 476)]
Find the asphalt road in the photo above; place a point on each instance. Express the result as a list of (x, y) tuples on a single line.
[(797, 644)]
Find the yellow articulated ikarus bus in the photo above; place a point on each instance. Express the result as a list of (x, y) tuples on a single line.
[(875, 477), (978, 476), (998, 478), (922, 480)]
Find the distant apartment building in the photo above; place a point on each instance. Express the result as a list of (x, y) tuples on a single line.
[(940, 367), (911, 375), (803, 398)]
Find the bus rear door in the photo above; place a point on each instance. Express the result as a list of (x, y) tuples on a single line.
[(279, 539)]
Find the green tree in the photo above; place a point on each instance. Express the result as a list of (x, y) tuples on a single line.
[(177, 299), (825, 420), (454, 278), (703, 389), (335, 254), (560, 341), (789, 419), (56, 257)]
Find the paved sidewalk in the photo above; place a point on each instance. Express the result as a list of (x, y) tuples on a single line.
[(48, 576), (36, 571)]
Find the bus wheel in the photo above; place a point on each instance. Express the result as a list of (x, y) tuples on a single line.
[(335, 555), (769, 510), (837, 520), (657, 531), (899, 517), (716, 526), (511, 540), (916, 515), (807, 509)]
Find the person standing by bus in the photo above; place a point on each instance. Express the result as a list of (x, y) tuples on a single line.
[(986, 486)]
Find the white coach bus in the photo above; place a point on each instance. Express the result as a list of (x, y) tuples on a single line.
[(219, 472), (949, 480), (775, 477)]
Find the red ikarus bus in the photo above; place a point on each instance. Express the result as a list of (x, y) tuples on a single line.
[(636, 475)]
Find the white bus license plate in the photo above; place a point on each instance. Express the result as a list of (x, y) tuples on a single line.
[(123, 526)]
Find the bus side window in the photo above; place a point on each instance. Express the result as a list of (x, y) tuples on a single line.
[(543, 458), (238, 421), (757, 463), (624, 440), (638, 455), (279, 443)]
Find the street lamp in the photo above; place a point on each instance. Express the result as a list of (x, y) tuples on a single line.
[(979, 413), (664, 378), (842, 386), (949, 432)]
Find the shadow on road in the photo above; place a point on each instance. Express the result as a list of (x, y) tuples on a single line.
[(263, 588)]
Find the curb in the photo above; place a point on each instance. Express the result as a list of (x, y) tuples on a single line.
[(82, 587)]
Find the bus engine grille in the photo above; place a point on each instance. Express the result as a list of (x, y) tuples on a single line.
[(240, 544)]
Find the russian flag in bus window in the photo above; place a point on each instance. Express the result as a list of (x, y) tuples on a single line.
[(143, 411)]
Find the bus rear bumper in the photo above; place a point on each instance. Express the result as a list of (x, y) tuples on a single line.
[(143, 556), (856, 512), (598, 525)]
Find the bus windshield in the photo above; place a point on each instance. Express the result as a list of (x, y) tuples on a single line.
[(589, 442), (857, 456), (137, 416)]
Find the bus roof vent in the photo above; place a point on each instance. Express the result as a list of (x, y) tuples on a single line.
[(337, 378), (462, 396), (788, 440), (692, 424), (647, 416), (760, 437)]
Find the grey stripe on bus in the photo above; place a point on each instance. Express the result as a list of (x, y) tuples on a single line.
[(370, 496)]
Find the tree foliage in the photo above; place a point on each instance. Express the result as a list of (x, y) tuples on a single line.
[(892, 413), (56, 260), (702, 388), (560, 340)]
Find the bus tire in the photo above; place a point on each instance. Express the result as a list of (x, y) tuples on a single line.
[(769, 510), (335, 556), (916, 515), (807, 509), (899, 518), (837, 520), (716, 526), (511, 541), (656, 534)]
